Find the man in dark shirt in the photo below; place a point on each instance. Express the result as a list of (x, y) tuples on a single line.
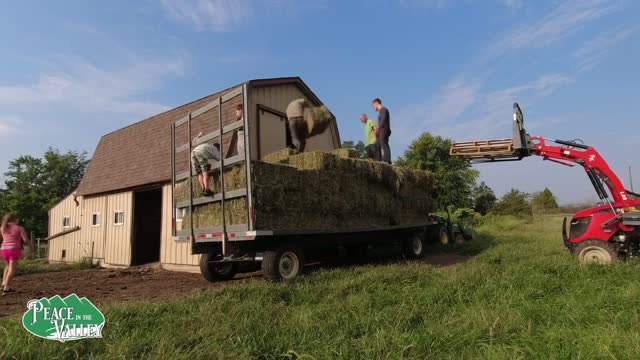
[(383, 131)]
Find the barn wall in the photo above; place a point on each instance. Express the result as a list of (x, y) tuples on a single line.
[(278, 97), (171, 252), (95, 234), (117, 247), (72, 245)]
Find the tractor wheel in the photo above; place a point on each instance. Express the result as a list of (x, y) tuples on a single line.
[(595, 252), (215, 271), (459, 239), (413, 247), (284, 263)]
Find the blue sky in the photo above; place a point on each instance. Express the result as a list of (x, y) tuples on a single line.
[(71, 73)]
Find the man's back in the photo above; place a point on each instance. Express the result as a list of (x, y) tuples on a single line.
[(384, 119), (296, 108)]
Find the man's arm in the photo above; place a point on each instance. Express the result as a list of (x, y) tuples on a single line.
[(195, 139)]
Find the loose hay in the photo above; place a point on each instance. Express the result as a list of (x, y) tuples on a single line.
[(318, 120), (317, 190)]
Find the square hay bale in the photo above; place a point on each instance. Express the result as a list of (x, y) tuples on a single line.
[(318, 190), (346, 153), (279, 157)]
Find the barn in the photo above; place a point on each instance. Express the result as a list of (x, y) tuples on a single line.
[(121, 213)]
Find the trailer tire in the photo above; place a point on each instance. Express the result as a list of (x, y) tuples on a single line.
[(595, 252), (215, 271), (284, 263), (414, 247), (439, 235)]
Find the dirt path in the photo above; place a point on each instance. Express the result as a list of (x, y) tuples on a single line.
[(147, 283), (103, 286)]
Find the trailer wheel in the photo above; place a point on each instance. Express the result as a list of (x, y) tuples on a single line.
[(595, 252), (439, 234), (413, 247), (215, 271), (284, 263)]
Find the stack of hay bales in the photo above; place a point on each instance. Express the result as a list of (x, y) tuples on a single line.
[(318, 190)]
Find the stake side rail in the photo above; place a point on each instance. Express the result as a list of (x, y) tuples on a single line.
[(193, 234)]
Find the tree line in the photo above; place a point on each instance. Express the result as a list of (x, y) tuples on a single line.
[(33, 185)]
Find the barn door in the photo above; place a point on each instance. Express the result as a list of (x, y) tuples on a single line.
[(273, 133)]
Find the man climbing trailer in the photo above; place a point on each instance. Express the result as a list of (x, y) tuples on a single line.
[(601, 234)]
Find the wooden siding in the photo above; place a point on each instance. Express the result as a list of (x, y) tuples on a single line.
[(117, 247), (172, 252), (95, 234), (72, 245)]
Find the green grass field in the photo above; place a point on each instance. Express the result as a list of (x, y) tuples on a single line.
[(41, 265), (520, 297)]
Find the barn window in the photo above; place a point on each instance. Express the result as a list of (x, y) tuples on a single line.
[(95, 219), (118, 218), (66, 222)]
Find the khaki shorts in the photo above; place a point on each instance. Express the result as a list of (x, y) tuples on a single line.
[(201, 155)]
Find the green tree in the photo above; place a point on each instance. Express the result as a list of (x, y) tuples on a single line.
[(360, 147), (514, 202), (33, 185), (483, 198), (454, 178), (544, 201)]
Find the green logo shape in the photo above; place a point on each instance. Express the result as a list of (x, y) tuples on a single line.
[(71, 318)]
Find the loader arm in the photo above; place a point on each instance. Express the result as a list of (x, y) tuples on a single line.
[(559, 151)]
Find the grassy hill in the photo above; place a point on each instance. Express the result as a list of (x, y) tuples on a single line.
[(520, 296)]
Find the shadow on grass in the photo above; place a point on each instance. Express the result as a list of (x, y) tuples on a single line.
[(437, 255)]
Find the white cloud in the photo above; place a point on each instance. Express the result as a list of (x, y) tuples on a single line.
[(461, 111), (595, 50), (560, 23), (79, 84), (225, 15), (216, 15), (9, 124)]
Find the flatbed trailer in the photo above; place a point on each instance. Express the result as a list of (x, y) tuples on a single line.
[(282, 253)]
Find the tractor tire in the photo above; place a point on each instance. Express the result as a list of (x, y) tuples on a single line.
[(459, 239), (215, 271), (284, 263), (414, 247), (595, 252), (439, 235)]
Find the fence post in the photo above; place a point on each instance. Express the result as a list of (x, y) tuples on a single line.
[(38, 249)]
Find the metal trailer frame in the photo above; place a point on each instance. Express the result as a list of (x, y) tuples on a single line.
[(244, 241)]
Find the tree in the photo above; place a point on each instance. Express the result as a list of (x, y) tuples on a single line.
[(33, 185), (544, 201), (453, 178), (515, 203), (360, 147), (483, 198)]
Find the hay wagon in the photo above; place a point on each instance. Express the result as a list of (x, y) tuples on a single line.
[(282, 209)]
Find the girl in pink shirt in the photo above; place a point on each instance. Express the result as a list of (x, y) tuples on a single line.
[(13, 236)]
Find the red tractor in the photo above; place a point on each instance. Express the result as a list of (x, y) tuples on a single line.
[(601, 234)]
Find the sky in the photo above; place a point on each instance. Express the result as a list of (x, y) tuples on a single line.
[(73, 71)]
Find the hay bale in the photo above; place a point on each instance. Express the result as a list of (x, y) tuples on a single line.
[(318, 190), (317, 119), (279, 157), (346, 153)]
